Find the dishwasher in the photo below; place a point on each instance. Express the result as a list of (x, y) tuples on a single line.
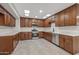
[(55, 39)]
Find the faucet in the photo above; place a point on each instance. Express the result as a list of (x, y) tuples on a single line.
[(53, 29)]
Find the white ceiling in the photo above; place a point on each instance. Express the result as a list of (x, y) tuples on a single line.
[(48, 8)]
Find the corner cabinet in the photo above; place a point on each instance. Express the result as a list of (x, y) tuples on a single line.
[(69, 43), (8, 44), (47, 36)]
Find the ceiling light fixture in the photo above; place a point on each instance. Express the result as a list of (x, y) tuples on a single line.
[(48, 15), (44, 17), (26, 14), (27, 11), (41, 11)]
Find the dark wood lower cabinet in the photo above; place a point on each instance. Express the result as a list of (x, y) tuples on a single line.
[(8, 43), (47, 36), (25, 35), (69, 43), (41, 35)]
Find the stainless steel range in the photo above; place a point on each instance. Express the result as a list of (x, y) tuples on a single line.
[(34, 33)]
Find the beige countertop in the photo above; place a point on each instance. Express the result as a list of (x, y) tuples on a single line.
[(67, 30), (8, 31)]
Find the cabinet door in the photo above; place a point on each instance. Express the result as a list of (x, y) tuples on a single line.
[(49, 37), (77, 17), (47, 23), (29, 23), (2, 19), (59, 19), (7, 19), (12, 22), (66, 42), (41, 23), (22, 36), (30, 35), (22, 22), (41, 35), (69, 43), (62, 41), (6, 45), (26, 35), (26, 23), (70, 16)]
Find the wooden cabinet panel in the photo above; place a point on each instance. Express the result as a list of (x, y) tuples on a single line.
[(41, 23), (61, 41), (2, 19), (5, 18), (48, 36), (77, 16), (12, 22), (47, 23), (7, 44), (25, 35), (41, 35), (69, 43), (59, 19), (25, 22), (70, 16), (30, 35), (66, 42), (29, 23), (22, 22), (9, 20), (67, 17)]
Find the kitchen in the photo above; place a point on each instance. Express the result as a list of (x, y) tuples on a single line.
[(25, 33)]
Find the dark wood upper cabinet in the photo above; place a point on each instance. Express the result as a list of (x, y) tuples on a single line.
[(22, 22), (67, 17), (59, 19), (12, 22), (77, 17), (6, 19), (25, 22), (70, 16), (2, 18), (47, 23), (29, 22), (41, 23)]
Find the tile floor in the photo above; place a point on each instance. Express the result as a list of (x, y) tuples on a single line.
[(38, 47)]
